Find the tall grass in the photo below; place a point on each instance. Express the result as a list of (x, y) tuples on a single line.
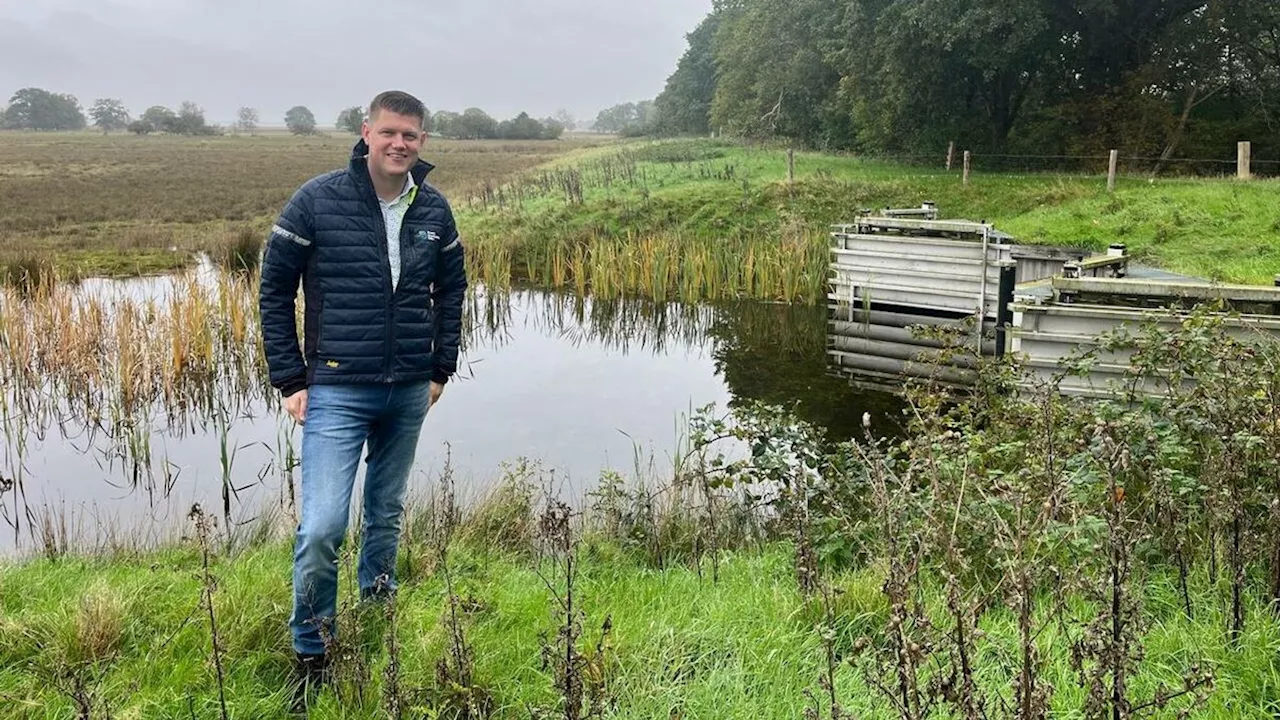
[(662, 267)]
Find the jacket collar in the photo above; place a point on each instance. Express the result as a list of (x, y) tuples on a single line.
[(360, 167)]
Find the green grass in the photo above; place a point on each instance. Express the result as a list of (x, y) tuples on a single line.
[(681, 646), (701, 189)]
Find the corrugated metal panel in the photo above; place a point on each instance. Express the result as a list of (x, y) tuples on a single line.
[(1046, 335), (924, 272)]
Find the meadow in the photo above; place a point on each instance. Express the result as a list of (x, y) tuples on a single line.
[(1008, 553), (123, 205)]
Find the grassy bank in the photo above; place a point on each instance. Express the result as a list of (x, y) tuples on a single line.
[(723, 207), (133, 631), (1013, 553)]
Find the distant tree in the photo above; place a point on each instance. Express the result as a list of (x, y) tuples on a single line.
[(247, 120), (160, 119), (351, 119), (552, 128), (190, 120), (109, 114), (141, 127), (521, 127), (630, 118), (613, 119), (38, 109), (445, 123), (565, 118), (300, 120), (476, 124)]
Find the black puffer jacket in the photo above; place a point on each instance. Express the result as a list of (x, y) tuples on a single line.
[(331, 235)]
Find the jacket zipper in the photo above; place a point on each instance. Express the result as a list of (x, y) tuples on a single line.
[(387, 300), (388, 293)]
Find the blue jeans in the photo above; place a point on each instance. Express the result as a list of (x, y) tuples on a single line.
[(340, 419)]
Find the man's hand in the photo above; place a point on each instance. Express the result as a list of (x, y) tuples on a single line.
[(296, 406), (436, 390)]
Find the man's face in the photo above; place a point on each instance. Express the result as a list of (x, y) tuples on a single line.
[(394, 141)]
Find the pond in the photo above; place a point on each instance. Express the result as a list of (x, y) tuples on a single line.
[(575, 386)]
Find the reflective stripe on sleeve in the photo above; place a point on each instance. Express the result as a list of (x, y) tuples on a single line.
[(276, 229)]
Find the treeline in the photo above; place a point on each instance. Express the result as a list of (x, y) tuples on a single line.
[(474, 124), (40, 109), (1154, 77)]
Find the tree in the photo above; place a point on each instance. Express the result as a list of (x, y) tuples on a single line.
[(626, 118), (159, 118), (684, 106), (521, 127), (445, 123), (300, 120), (351, 119), (141, 127), (475, 124), (38, 109), (247, 120), (552, 128), (1039, 77), (109, 114), (190, 120), (776, 73), (565, 119)]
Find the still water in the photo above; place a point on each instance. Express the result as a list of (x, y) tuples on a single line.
[(576, 386)]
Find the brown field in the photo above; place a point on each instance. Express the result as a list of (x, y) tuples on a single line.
[(124, 205)]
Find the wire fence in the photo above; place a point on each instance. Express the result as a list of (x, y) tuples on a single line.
[(1126, 165)]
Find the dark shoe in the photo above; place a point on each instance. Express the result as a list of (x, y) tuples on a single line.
[(309, 673)]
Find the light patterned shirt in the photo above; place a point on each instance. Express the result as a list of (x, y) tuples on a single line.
[(393, 217)]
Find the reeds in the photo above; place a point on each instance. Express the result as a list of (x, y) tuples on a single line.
[(114, 369), (663, 267), (118, 366)]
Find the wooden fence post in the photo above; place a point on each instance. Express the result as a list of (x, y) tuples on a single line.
[(1244, 153), (968, 159), (1111, 171), (791, 165), (951, 153)]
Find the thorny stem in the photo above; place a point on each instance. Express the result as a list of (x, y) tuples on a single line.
[(202, 532), (1119, 649)]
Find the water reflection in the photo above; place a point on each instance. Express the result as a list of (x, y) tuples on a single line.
[(579, 385)]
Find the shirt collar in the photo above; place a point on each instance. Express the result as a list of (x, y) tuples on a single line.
[(409, 185)]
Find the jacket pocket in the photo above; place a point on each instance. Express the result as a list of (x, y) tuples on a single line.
[(424, 245)]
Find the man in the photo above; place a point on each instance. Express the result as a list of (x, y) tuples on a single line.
[(378, 255)]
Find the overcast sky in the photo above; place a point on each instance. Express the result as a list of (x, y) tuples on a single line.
[(504, 56)]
